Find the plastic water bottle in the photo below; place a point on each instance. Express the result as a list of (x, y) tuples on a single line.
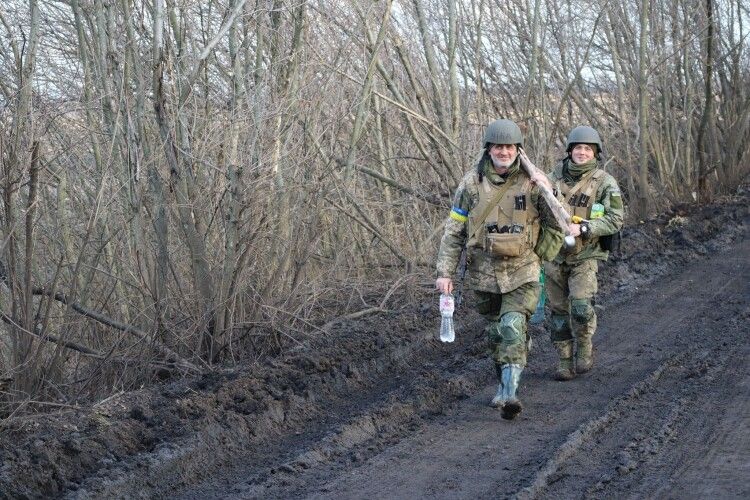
[(447, 306), (538, 316)]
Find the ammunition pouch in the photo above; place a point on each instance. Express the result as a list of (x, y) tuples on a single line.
[(549, 243)]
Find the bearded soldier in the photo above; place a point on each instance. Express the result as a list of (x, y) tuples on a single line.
[(500, 216), (595, 203)]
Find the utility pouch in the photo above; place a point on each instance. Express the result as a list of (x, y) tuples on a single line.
[(611, 242), (549, 243), (505, 244)]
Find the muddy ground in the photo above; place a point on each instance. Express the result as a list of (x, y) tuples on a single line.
[(380, 409)]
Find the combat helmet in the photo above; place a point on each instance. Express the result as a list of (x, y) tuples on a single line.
[(584, 135), (503, 132)]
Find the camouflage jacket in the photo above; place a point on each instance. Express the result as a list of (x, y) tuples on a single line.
[(486, 272), (605, 192)]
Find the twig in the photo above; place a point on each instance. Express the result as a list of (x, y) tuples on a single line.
[(393, 288), (166, 351), (354, 315)]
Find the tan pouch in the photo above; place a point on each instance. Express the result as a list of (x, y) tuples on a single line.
[(505, 244)]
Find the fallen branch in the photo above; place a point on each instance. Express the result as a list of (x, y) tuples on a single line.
[(51, 338), (73, 346), (171, 356), (354, 315)]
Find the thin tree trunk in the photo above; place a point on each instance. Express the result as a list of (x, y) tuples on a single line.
[(643, 100), (705, 162)]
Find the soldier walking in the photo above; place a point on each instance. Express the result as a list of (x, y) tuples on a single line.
[(501, 218), (594, 200)]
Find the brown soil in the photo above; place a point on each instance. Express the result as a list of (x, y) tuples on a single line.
[(379, 408)]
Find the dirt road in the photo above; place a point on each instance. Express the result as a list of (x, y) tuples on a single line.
[(377, 408), (665, 413)]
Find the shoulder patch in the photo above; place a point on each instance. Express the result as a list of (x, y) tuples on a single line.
[(615, 200)]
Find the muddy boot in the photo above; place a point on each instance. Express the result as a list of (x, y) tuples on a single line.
[(584, 355), (498, 401), (528, 344), (565, 369), (511, 378)]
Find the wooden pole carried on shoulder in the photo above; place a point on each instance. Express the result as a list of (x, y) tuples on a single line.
[(561, 215)]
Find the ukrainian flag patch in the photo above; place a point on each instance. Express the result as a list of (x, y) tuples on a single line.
[(459, 214)]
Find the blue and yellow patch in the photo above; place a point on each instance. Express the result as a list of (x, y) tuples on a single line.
[(459, 214)]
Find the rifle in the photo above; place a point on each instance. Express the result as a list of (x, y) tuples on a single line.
[(462, 264), (561, 215)]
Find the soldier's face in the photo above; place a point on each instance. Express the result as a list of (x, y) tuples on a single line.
[(582, 153), (503, 155)]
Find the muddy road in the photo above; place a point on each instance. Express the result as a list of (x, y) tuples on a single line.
[(665, 413), (379, 409)]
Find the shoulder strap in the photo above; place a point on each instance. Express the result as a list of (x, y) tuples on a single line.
[(595, 182), (583, 182), (495, 199)]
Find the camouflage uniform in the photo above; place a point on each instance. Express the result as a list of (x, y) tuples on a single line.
[(571, 279), (507, 288)]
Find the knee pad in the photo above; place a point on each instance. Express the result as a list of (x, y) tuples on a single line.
[(581, 310), (513, 327), (494, 336), (560, 328)]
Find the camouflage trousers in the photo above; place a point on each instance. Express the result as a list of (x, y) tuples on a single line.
[(508, 315), (570, 291)]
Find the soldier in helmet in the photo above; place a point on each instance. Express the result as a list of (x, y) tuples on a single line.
[(594, 200), (501, 218)]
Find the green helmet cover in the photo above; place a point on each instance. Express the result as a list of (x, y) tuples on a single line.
[(503, 132), (583, 135)]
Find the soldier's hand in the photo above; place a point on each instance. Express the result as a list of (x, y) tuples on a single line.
[(575, 229), (444, 285)]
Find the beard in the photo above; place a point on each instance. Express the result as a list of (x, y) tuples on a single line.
[(503, 164)]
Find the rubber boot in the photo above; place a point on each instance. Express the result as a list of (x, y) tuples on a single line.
[(511, 378), (528, 343), (565, 370), (584, 355), (498, 401)]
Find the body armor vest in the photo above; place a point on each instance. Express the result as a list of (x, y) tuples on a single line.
[(579, 198), (511, 227)]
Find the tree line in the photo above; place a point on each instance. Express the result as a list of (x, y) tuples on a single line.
[(195, 182)]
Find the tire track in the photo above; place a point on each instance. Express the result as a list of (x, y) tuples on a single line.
[(589, 430), (666, 389)]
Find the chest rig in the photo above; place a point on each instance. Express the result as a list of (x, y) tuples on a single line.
[(581, 196), (504, 222)]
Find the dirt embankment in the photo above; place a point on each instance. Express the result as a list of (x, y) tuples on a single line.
[(293, 425)]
